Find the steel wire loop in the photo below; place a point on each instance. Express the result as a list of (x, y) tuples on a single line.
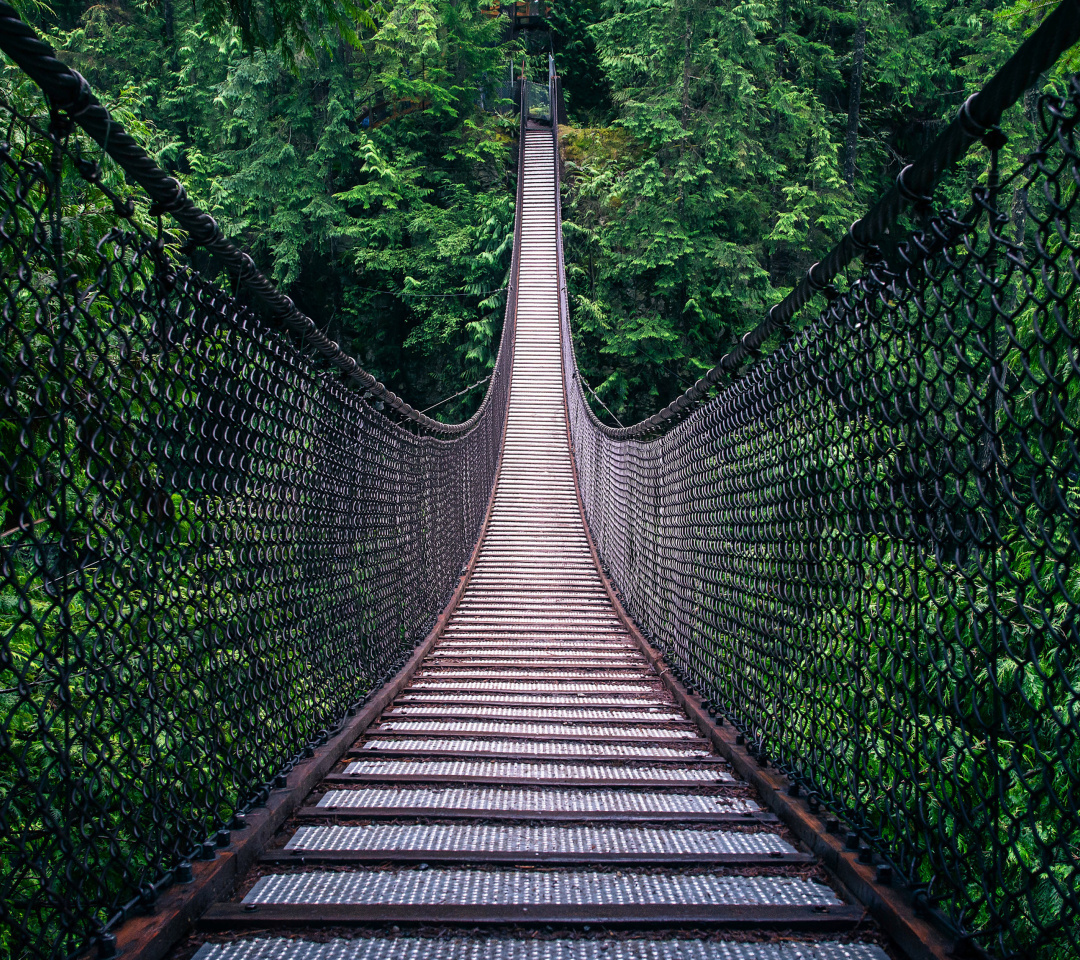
[(866, 551), (213, 545)]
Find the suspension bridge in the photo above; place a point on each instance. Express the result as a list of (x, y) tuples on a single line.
[(788, 670)]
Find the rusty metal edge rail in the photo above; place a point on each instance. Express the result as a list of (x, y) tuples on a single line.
[(152, 936), (891, 906), (68, 92)]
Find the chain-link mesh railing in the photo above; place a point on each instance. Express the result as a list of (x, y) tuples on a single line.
[(865, 551), (212, 545)]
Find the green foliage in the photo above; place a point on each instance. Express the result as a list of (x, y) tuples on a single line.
[(727, 181), (343, 144), (358, 168), (585, 85)]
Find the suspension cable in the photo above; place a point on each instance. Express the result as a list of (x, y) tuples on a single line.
[(460, 393)]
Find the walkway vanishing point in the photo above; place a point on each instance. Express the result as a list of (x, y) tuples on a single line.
[(534, 790)]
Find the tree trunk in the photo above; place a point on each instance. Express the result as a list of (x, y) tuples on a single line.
[(684, 113), (685, 99), (851, 142)]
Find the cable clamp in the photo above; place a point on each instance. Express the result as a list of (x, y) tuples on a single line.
[(82, 100), (205, 230), (169, 204), (783, 324)]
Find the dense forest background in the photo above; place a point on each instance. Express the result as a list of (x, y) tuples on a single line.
[(713, 152)]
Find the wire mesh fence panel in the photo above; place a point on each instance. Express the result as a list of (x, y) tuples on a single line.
[(212, 545), (866, 551)]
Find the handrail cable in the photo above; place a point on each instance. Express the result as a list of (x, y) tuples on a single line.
[(596, 396)]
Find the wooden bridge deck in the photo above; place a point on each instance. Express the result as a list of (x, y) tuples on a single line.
[(534, 786)]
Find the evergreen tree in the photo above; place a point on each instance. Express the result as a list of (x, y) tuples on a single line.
[(359, 170), (746, 138)]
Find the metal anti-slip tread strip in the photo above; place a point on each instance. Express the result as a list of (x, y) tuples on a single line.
[(508, 661), (539, 629), (338, 779), (526, 698), (720, 818), (539, 799), (434, 706), (451, 713), (527, 887), (612, 753), (526, 638), (398, 855), (592, 842), (501, 659), (531, 603), (576, 558), (536, 539), (534, 535), (532, 516), (817, 918), (528, 586), (500, 948), (526, 728), (686, 741), (559, 579), (506, 560), (542, 527), (536, 647), (544, 673), (534, 569), (541, 637), (451, 703), (556, 544), (516, 609), (475, 636), (564, 696), (534, 748), (538, 770), (554, 498), (573, 623), (540, 597), (547, 687)]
